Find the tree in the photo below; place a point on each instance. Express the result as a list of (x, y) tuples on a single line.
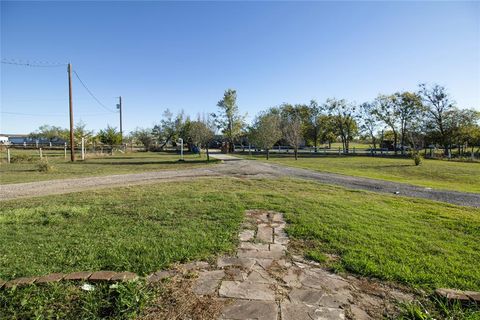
[(314, 123), (229, 120), (52, 133), (385, 110), (144, 136), (266, 130), (169, 128), (110, 136), (81, 131), (438, 105), (201, 133), (327, 129), (343, 117), (291, 125), (408, 106), (463, 127), (368, 121)]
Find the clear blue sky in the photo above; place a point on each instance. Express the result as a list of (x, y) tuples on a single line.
[(183, 55)]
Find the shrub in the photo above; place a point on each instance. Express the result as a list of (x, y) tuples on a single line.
[(44, 166), (417, 158), (21, 158)]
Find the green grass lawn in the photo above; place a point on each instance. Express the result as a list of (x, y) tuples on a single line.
[(131, 162), (142, 229), (441, 174)]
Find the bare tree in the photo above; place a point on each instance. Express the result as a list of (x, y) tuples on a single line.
[(386, 111), (438, 104), (343, 117), (408, 106), (368, 121), (291, 124), (314, 123)]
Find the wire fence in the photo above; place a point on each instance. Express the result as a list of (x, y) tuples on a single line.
[(433, 153)]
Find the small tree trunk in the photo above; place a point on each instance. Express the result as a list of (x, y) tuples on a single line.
[(268, 153), (296, 153), (395, 140), (316, 149), (208, 154)]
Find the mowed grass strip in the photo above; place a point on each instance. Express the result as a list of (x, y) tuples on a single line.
[(131, 162), (142, 229), (441, 174)]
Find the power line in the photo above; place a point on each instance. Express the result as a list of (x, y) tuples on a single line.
[(36, 64), (52, 114), (93, 96)]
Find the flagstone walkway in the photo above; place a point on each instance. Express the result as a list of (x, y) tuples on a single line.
[(263, 281)]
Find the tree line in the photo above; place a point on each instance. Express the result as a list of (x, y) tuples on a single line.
[(412, 120)]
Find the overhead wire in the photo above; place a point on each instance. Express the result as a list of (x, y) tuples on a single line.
[(46, 64), (36, 64), (92, 95), (52, 114)]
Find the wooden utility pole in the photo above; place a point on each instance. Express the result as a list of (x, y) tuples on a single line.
[(70, 102), (119, 107)]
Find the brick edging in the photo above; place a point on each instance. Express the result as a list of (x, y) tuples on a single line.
[(101, 276), (459, 295)]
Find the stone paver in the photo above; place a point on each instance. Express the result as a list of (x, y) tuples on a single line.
[(236, 262), (359, 314), (265, 233), (246, 290), (264, 254), (246, 235), (208, 282), (253, 246), (159, 276), (245, 309), (308, 296), (297, 311)]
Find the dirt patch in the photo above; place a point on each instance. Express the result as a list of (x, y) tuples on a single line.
[(177, 301)]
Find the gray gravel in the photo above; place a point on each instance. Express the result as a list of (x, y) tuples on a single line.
[(232, 166)]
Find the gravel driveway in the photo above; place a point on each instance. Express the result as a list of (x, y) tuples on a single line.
[(235, 167)]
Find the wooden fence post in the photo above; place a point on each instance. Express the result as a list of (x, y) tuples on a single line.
[(83, 148), (8, 155)]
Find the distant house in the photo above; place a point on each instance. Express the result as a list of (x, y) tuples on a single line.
[(3, 139), (21, 139)]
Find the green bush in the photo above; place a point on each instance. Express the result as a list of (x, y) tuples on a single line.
[(417, 158), (44, 166), (21, 158)]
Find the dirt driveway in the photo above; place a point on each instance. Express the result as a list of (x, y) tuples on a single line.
[(234, 167)]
